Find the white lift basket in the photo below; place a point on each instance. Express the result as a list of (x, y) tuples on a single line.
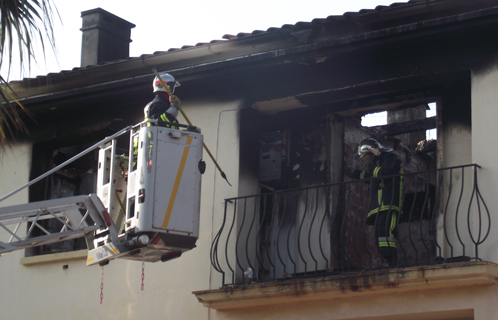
[(152, 195), (146, 207)]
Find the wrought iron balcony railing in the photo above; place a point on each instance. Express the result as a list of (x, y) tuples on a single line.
[(321, 230)]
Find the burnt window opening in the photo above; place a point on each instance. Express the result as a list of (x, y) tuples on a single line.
[(414, 126), (431, 134), (77, 178)]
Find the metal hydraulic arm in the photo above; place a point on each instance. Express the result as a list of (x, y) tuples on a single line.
[(79, 215)]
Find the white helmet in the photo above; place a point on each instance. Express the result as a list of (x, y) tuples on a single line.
[(168, 80), (372, 146)]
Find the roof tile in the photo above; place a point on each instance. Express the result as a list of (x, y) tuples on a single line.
[(351, 16)]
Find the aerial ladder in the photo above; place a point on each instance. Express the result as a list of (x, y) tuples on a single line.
[(146, 206)]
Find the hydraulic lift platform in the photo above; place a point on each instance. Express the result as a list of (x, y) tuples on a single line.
[(146, 206)]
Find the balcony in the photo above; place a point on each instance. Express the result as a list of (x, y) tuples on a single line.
[(321, 231)]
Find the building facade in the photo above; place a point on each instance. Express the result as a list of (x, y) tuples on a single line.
[(281, 112)]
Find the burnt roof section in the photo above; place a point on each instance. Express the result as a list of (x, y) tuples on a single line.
[(347, 24)]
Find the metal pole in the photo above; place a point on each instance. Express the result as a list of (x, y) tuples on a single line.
[(223, 175)]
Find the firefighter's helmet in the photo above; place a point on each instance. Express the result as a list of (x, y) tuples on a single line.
[(168, 79), (372, 146)]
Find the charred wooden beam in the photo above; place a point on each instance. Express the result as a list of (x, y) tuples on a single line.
[(409, 126)]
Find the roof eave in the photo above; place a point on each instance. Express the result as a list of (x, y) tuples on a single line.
[(265, 46)]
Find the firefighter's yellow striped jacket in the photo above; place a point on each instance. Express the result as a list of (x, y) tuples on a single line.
[(156, 109), (385, 194)]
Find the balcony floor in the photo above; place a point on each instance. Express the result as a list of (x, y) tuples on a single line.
[(387, 281)]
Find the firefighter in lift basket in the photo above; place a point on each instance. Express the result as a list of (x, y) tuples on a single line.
[(162, 108)]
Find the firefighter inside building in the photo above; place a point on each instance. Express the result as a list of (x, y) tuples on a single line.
[(163, 108), (385, 194)]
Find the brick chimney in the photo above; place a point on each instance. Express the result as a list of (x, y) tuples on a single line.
[(106, 37)]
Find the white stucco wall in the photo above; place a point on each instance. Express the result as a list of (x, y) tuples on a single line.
[(455, 149), (15, 164), (70, 290), (484, 153)]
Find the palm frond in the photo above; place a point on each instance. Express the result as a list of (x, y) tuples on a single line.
[(21, 22)]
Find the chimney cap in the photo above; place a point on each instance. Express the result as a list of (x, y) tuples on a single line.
[(104, 15), (106, 37)]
